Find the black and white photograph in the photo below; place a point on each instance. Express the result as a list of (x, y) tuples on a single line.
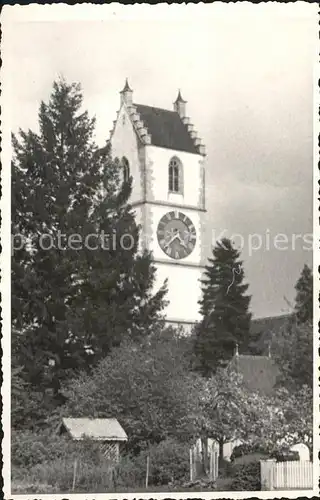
[(160, 256)]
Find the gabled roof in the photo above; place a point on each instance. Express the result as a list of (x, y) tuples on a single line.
[(98, 429), (259, 372), (166, 129)]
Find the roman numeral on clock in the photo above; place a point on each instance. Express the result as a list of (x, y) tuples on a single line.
[(176, 235)]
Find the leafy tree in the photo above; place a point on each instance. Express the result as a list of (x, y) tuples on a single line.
[(79, 284), (287, 419), (304, 296), (224, 309), (228, 409), (293, 350), (146, 385)]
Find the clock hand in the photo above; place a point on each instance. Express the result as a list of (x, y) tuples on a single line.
[(183, 243), (171, 240)]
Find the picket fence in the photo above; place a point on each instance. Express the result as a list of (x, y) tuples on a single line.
[(286, 475)]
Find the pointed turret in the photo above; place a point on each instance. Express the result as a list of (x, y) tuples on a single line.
[(126, 94), (179, 105)]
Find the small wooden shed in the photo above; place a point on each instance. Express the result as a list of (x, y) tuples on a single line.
[(107, 431)]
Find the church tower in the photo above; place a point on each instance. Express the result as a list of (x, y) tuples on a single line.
[(162, 152)]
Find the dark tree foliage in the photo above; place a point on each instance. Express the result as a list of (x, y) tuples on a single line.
[(79, 283), (224, 309), (304, 296)]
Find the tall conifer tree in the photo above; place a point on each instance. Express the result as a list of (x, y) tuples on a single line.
[(224, 309), (73, 297)]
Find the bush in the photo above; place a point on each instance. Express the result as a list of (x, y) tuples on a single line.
[(168, 462), (57, 475), (225, 468), (89, 476), (258, 452), (251, 457), (246, 477), (248, 449), (29, 449), (47, 460), (285, 455)]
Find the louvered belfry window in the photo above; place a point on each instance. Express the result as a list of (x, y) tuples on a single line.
[(175, 176)]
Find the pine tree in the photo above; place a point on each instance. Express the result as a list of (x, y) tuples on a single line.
[(304, 296), (70, 303), (224, 309)]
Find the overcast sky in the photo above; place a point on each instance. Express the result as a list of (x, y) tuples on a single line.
[(247, 74)]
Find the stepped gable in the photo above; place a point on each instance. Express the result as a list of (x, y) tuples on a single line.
[(161, 127)]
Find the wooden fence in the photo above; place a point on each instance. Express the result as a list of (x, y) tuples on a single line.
[(196, 465), (286, 475)]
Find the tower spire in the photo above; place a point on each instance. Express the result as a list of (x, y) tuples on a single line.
[(126, 94), (179, 98), (179, 105), (126, 87)]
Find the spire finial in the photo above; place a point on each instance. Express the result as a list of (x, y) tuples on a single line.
[(179, 105), (179, 98), (126, 94), (126, 87)]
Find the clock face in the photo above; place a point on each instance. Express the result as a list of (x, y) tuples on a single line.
[(176, 235)]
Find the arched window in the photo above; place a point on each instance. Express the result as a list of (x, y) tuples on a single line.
[(126, 169), (175, 176)]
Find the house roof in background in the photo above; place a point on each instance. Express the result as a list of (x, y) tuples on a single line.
[(166, 129), (259, 372), (98, 429)]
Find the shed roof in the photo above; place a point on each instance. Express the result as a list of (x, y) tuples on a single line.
[(166, 129), (98, 429), (259, 372)]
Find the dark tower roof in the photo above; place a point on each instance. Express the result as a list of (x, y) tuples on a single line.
[(166, 129)]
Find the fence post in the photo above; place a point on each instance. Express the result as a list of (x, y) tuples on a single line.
[(147, 473), (75, 464), (211, 465), (266, 474)]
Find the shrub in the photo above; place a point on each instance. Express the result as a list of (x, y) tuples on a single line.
[(131, 470), (29, 449), (281, 454), (225, 468), (248, 449), (251, 457), (168, 461), (285, 455), (246, 477), (58, 475)]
